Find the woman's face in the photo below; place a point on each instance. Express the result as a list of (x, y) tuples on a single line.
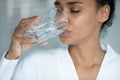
[(84, 20)]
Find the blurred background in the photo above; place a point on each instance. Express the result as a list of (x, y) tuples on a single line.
[(12, 11)]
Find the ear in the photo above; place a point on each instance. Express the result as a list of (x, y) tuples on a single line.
[(103, 13)]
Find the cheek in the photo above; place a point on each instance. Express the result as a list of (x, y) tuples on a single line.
[(83, 26)]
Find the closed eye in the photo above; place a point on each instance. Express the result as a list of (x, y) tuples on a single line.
[(74, 11)]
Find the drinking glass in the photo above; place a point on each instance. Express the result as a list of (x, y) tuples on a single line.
[(52, 23)]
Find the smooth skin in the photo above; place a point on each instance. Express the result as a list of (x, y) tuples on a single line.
[(83, 33), (85, 21)]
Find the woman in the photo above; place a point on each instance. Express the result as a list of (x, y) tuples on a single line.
[(82, 59)]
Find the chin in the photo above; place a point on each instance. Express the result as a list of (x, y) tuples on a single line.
[(65, 40)]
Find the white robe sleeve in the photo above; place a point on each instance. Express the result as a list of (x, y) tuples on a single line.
[(7, 68)]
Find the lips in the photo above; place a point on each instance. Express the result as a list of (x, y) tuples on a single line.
[(66, 33)]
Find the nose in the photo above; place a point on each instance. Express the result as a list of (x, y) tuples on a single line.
[(61, 19), (61, 16)]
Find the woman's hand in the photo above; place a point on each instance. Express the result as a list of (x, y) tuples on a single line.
[(20, 43)]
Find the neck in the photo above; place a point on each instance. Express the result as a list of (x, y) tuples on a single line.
[(89, 53), (86, 55)]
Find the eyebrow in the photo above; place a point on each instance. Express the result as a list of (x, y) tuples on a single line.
[(69, 3)]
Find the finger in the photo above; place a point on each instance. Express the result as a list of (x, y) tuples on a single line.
[(23, 27), (33, 20), (23, 39), (26, 24), (43, 43), (28, 40)]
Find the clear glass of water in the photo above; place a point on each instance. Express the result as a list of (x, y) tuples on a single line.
[(53, 23)]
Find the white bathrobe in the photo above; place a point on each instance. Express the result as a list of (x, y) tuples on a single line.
[(55, 64)]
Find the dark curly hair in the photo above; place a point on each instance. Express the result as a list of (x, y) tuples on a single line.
[(111, 3)]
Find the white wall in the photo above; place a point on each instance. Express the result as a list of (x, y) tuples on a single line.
[(11, 11)]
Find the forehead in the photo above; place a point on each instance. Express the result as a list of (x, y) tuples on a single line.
[(74, 1)]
